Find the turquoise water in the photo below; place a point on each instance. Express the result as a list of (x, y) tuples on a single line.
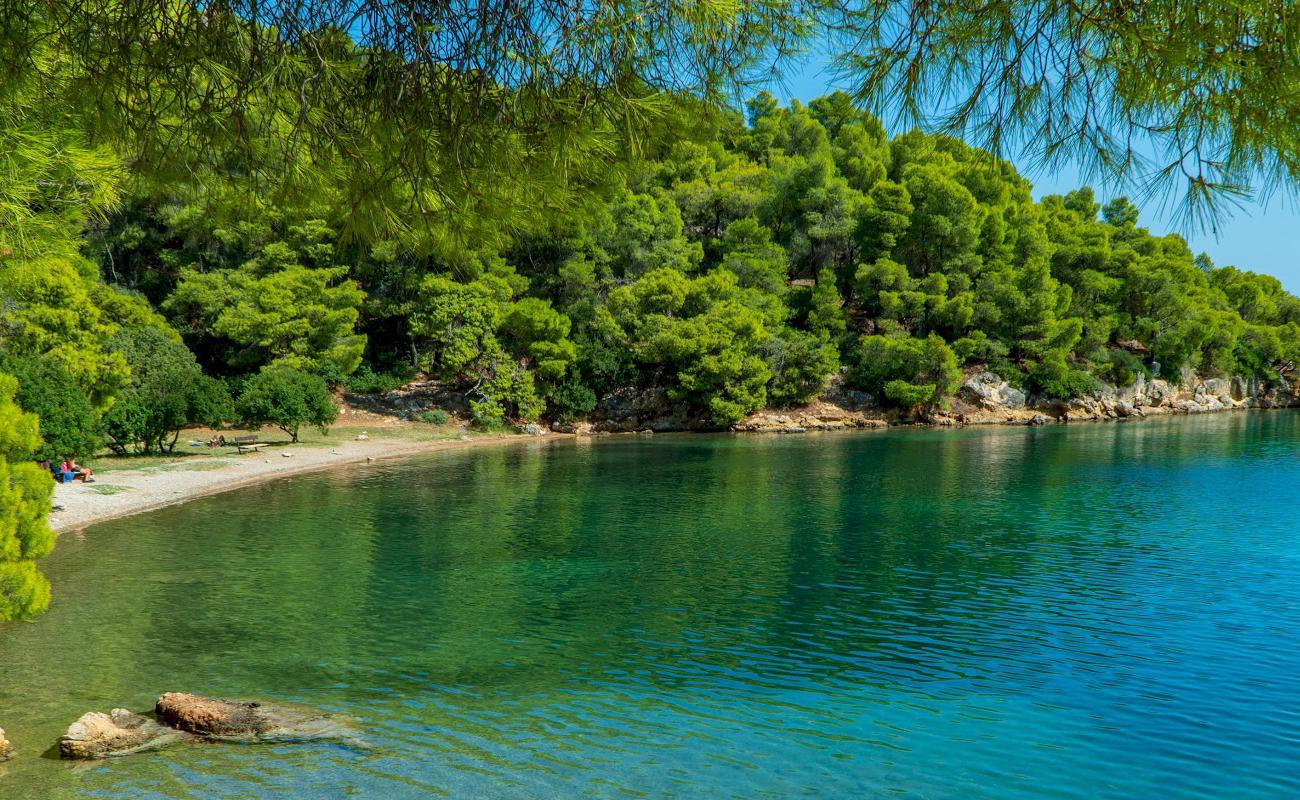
[(1095, 611)]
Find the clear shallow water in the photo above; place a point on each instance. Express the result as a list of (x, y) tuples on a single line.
[(1099, 611)]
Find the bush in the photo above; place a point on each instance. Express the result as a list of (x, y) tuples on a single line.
[(367, 381), (167, 392), (1120, 367), (435, 417), (882, 361), (287, 398), (571, 399), (801, 365), (1054, 377), (909, 394), (508, 391), (25, 496), (70, 427)]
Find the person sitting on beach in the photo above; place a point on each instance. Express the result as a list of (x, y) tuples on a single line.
[(79, 473)]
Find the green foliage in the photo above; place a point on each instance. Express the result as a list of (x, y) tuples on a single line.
[(51, 308), (540, 333), (825, 314), (700, 336), (729, 262), (289, 303), (910, 394), (571, 399), (25, 497), (1054, 377), (435, 417), (70, 427), (457, 322), (167, 392), (366, 381), (801, 364), (506, 390), (900, 368), (288, 398)]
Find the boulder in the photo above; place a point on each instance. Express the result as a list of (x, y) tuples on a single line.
[(1216, 387), (118, 733), (1239, 389), (245, 721), (989, 390), (207, 716), (630, 410), (533, 429), (6, 747), (577, 428)]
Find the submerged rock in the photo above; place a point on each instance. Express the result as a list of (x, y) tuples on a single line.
[(119, 733), (246, 721), (6, 748)]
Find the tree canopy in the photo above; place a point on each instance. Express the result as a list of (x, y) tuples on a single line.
[(433, 97)]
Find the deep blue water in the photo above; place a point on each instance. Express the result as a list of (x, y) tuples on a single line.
[(1095, 611)]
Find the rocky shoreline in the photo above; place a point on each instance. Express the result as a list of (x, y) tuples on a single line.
[(984, 398)]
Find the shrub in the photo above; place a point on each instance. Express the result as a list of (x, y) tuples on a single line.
[(801, 365), (1120, 367), (287, 398), (435, 417), (879, 361), (367, 381), (571, 399), (1054, 377), (25, 491), (167, 391), (909, 394), (70, 427)]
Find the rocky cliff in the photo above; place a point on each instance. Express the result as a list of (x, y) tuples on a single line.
[(984, 398)]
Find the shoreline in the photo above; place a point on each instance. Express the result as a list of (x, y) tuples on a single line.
[(138, 491), (80, 505)]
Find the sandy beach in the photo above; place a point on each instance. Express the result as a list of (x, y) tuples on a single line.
[(123, 492)]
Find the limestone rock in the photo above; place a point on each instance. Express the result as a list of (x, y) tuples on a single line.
[(244, 721), (533, 429), (6, 747), (207, 716), (990, 391), (576, 428), (632, 410), (816, 416), (119, 733)]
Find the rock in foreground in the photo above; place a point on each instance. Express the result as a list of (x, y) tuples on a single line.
[(119, 733), (228, 719)]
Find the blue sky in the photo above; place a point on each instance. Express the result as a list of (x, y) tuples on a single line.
[(1261, 237)]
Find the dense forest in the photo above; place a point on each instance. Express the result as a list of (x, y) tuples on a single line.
[(737, 261), (735, 258)]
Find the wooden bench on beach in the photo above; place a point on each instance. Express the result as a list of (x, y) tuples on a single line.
[(247, 444)]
